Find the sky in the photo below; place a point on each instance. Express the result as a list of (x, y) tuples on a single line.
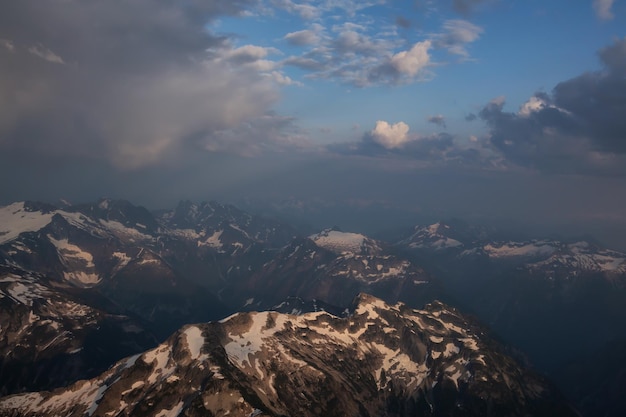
[(485, 109)]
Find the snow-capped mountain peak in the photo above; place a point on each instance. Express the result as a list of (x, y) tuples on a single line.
[(18, 218), (344, 242), (436, 236)]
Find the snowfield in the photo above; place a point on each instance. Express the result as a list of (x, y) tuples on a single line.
[(339, 242)]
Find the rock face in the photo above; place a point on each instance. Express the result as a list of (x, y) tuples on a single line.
[(380, 360), (50, 335)]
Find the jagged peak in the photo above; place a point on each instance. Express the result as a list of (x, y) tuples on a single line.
[(363, 298)]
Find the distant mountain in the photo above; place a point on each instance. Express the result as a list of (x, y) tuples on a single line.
[(380, 360), (550, 258), (554, 300), (333, 267)]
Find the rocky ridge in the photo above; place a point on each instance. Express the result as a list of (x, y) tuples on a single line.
[(380, 360)]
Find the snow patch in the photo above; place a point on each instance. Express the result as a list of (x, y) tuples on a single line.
[(511, 249), (15, 220), (172, 412), (123, 232), (213, 241), (70, 253), (339, 242), (195, 341)]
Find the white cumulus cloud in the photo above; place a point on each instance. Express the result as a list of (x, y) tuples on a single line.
[(391, 136), (533, 105), (412, 61)]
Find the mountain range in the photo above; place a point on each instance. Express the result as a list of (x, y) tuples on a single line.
[(378, 360), (83, 286)]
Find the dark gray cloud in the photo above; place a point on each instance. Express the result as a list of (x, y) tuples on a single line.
[(579, 127), (597, 100), (438, 120), (466, 7), (128, 82), (403, 22)]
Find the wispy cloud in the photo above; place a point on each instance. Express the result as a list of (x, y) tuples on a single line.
[(456, 35), (45, 54), (305, 11), (7, 44), (269, 132), (603, 8), (437, 119), (466, 7)]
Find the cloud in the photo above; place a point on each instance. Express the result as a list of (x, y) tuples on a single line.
[(141, 86), (351, 55), (309, 62), (248, 54), (390, 136), (45, 54), (597, 100), (579, 127), (269, 132), (411, 62), (352, 42), (438, 120), (393, 142), (456, 35), (379, 68), (305, 11), (7, 44), (283, 79), (302, 37), (403, 22), (368, 50), (534, 104), (602, 8), (466, 7)]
